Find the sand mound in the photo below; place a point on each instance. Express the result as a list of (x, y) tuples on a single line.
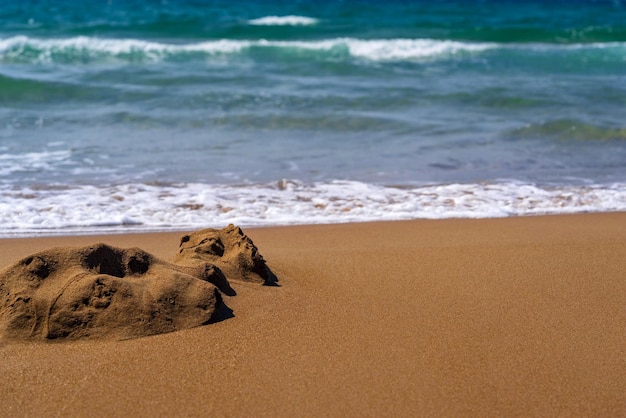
[(229, 249), (102, 291)]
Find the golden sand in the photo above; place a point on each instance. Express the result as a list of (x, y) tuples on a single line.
[(500, 317)]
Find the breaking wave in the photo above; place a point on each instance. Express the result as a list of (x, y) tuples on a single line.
[(283, 21), (85, 209), (85, 50)]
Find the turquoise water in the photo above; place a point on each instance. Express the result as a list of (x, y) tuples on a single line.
[(235, 101)]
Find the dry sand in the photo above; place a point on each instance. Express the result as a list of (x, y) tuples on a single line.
[(502, 317)]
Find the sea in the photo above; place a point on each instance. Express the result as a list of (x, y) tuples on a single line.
[(146, 115)]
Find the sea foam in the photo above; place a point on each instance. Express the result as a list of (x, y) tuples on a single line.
[(32, 161), (283, 21), (143, 207), (85, 49)]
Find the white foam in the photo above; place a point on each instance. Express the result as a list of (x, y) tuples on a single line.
[(33, 161), (150, 207), (407, 49), (44, 50), (283, 21)]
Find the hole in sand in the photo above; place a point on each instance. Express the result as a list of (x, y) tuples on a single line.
[(105, 260)]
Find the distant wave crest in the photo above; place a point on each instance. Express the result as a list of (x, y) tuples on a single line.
[(85, 50), (284, 21)]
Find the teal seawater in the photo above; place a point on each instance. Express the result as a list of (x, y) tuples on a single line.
[(112, 94), (473, 20)]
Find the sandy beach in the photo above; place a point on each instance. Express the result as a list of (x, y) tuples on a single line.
[(496, 317)]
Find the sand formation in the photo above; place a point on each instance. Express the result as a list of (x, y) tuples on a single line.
[(229, 249), (100, 291)]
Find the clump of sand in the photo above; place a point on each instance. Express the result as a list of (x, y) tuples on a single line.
[(229, 249), (100, 291)]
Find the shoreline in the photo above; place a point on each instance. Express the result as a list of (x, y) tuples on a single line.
[(491, 317), (122, 208), (183, 230)]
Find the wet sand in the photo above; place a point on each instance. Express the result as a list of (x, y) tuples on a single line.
[(499, 317)]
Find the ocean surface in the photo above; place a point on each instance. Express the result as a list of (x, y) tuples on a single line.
[(142, 115)]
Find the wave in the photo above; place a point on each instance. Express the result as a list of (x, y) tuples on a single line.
[(84, 209), (82, 50), (85, 50), (283, 21), (570, 130), (32, 161)]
